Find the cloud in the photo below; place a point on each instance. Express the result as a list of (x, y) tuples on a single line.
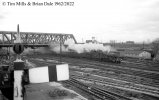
[(107, 19), (146, 23), (1, 16), (3, 13)]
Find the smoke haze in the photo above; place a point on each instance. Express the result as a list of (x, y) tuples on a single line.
[(69, 45)]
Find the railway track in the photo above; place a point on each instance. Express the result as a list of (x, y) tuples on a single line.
[(118, 70), (142, 64), (146, 66), (97, 92), (128, 80), (121, 85), (123, 69), (131, 79), (142, 61), (137, 65)]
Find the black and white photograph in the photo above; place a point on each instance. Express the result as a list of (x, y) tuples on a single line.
[(79, 50)]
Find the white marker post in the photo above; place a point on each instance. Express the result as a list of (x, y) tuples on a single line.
[(18, 73)]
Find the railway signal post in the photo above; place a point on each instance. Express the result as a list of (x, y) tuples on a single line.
[(18, 72)]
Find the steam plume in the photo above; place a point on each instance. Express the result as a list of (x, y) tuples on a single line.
[(69, 45)]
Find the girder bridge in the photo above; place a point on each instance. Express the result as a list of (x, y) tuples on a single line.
[(33, 39)]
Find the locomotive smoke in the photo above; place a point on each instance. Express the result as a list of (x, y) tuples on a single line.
[(56, 47), (69, 45)]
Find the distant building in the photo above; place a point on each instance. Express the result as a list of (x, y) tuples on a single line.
[(145, 55), (88, 41), (112, 41), (136, 54), (92, 41), (130, 42)]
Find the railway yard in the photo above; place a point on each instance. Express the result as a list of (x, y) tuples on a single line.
[(128, 80), (90, 50)]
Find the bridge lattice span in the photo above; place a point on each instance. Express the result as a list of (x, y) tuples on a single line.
[(7, 38)]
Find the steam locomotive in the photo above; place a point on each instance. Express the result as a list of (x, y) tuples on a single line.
[(98, 55)]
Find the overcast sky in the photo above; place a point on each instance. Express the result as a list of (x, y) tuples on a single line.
[(120, 20)]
